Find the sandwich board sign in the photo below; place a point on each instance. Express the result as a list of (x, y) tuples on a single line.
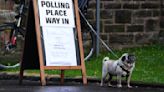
[(56, 24)]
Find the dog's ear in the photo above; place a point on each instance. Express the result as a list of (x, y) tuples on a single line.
[(105, 59), (123, 58)]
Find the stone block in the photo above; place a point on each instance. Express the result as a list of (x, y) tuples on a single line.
[(139, 0), (143, 13), (161, 33), (109, 21), (146, 38), (92, 4), (150, 5), (151, 25), (107, 0), (112, 5), (104, 36), (135, 28), (156, 13), (123, 16), (90, 14), (121, 38), (106, 14), (131, 5), (162, 12), (8, 5), (114, 28), (139, 21), (162, 23)]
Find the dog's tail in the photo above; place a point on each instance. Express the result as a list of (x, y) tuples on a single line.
[(105, 59)]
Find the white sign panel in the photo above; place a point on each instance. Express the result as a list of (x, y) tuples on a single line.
[(59, 46), (56, 13)]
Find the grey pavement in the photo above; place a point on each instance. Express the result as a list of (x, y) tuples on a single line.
[(9, 83), (34, 86)]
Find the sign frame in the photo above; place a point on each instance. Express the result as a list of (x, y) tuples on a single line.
[(40, 49)]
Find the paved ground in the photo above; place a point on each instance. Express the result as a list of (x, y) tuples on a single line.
[(9, 83), (53, 86)]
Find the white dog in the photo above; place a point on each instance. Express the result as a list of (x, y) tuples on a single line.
[(121, 67)]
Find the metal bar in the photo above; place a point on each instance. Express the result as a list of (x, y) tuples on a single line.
[(97, 26)]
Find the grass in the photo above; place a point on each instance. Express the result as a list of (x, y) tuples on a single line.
[(149, 65)]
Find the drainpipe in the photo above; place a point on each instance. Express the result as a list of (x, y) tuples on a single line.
[(97, 26)]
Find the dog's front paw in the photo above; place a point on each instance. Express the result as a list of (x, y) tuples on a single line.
[(129, 86), (101, 84), (119, 85), (109, 85)]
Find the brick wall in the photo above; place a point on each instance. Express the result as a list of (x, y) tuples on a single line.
[(126, 23)]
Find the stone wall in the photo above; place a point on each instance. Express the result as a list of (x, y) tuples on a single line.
[(128, 23), (124, 23), (7, 14), (6, 11), (161, 34)]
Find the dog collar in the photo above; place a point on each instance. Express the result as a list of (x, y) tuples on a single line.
[(124, 69)]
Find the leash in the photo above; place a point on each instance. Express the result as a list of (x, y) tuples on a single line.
[(90, 26)]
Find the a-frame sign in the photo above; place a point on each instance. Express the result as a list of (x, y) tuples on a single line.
[(53, 39)]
